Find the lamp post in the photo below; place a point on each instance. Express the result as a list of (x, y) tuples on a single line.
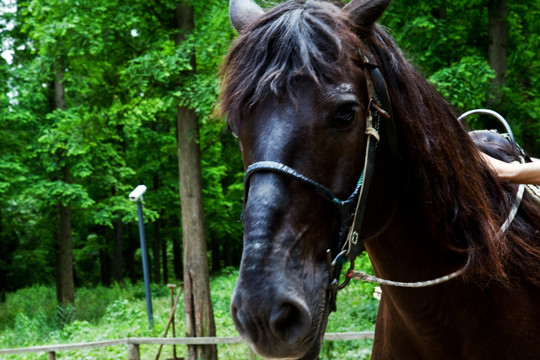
[(137, 196)]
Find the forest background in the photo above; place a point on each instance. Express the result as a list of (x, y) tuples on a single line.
[(66, 168)]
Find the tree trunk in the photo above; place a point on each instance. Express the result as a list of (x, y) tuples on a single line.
[(440, 12), (178, 266), (105, 267), (156, 244), (164, 261), (65, 286), (156, 249), (529, 124), (228, 251), (118, 255), (498, 49), (130, 258), (216, 258), (197, 302), (59, 90), (4, 258)]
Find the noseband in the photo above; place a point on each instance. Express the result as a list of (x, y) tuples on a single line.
[(352, 209)]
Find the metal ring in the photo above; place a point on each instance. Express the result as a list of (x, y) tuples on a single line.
[(342, 253), (348, 277)]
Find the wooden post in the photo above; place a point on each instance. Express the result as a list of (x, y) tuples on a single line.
[(51, 355), (134, 352), (173, 308), (251, 354), (171, 320)]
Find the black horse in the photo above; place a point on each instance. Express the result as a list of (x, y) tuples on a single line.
[(311, 90)]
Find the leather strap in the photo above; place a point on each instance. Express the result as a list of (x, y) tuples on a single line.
[(379, 108)]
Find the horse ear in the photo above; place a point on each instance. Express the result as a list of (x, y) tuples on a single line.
[(243, 12), (366, 12)]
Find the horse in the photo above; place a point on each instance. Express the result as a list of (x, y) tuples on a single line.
[(347, 147)]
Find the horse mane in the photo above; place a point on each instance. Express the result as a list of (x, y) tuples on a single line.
[(456, 192)]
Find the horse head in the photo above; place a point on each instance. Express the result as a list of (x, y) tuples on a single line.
[(295, 95)]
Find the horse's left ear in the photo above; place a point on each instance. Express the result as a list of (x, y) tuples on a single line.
[(243, 12), (366, 12)]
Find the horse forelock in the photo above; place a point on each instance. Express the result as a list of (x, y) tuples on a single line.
[(294, 40)]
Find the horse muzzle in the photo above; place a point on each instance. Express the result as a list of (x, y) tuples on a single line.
[(277, 321)]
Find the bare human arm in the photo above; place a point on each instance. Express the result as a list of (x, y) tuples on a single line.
[(528, 173)]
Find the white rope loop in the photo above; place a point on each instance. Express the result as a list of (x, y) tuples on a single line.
[(360, 275), (534, 192)]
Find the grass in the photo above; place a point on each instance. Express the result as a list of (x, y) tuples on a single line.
[(30, 317)]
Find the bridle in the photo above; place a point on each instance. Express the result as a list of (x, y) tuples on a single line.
[(352, 209)]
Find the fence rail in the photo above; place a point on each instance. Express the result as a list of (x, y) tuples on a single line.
[(134, 343)]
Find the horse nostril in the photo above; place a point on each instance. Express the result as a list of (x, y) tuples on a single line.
[(290, 320), (243, 323), (237, 322)]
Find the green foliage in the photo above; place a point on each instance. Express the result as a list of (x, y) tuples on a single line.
[(438, 33), (124, 75), (465, 83), (29, 318), (356, 301), (65, 315), (448, 41), (522, 91), (33, 303)]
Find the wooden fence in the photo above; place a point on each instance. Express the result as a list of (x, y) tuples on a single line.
[(133, 344)]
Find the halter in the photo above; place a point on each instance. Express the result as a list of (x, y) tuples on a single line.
[(351, 216), (352, 209)]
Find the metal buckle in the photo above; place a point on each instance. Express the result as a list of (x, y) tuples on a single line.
[(375, 105)]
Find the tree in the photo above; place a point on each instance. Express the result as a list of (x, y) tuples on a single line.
[(498, 48), (461, 47), (197, 302), (522, 90), (65, 286)]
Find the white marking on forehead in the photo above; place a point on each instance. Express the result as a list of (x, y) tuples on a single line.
[(345, 88)]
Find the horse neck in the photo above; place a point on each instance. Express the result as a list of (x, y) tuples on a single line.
[(408, 251), (403, 246)]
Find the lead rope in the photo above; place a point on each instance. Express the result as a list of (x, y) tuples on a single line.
[(360, 275), (534, 191)]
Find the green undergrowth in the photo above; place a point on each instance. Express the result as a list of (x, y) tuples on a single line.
[(30, 317)]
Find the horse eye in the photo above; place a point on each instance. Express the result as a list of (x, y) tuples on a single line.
[(345, 115), (232, 128)]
